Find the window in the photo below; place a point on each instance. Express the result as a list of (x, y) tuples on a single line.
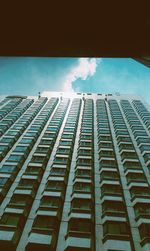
[(120, 126), (55, 186), (50, 202), (82, 187), (65, 143), (124, 139), (22, 149), (113, 208), (33, 170), (44, 222), (143, 140), (18, 127), (63, 150), (31, 134), (3, 148), (83, 205), (10, 220), (104, 138), (27, 184), (119, 132), (49, 135), (142, 210), (8, 169), (129, 155), (85, 143), (58, 171), (126, 146), (105, 145), (38, 159), (13, 133), (114, 228), (146, 156), (3, 181), (108, 163), (26, 141), (84, 136), (136, 177), (40, 149), (145, 148), (67, 136), (82, 161), (140, 133), (20, 201), (87, 130), (138, 192), (107, 154), (69, 129), (109, 175), (83, 173), (135, 127), (7, 140), (85, 152), (82, 226), (144, 230), (112, 190), (54, 129), (46, 142), (132, 165), (15, 158)]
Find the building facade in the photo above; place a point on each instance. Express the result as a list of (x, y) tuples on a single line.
[(74, 173)]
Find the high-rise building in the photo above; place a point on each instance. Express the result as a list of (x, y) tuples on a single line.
[(74, 173)]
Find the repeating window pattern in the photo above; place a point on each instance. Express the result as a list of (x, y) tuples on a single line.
[(81, 216), (114, 213), (51, 203), (31, 177), (56, 154)]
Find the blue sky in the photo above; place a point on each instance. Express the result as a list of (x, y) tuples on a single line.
[(28, 75)]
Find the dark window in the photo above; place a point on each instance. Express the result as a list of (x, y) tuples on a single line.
[(113, 208), (142, 209), (138, 192), (81, 206), (19, 200), (80, 226), (44, 222), (112, 190), (145, 232), (9, 220), (83, 173), (55, 185), (114, 228), (50, 202), (27, 184), (82, 187), (43, 149)]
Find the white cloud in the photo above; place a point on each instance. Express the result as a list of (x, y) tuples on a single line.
[(85, 68)]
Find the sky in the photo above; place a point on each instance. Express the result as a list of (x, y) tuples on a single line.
[(30, 75)]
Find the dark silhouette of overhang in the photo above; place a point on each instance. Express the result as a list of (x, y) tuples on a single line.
[(108, 29)]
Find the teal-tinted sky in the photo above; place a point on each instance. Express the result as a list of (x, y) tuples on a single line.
[(28, 76)]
